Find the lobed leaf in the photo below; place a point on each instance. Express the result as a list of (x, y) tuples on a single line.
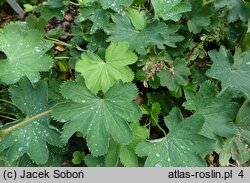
[(170, 9), (101, 75), (174, 77), (233, 75), (183, 146), (31, 138), (95, 117), (217, 109), (154, 33), (25, 53)]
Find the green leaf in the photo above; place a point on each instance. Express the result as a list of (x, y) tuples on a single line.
[(126, 153), (182, 147), (137, 18), (92, 161), (116, 5), (164, 99), (234, 148), (99, 19), (112, 156), (128, 156), (78, 157), (101, 75), (152, 112), (55, 159), (155, 33), (243, 121), (170, 9), (199, 17), (31, 138), (217, 108), (25, 53), (238, 146), (177, 75), (239, 9), (36, 23), (55, 3), (96, 117), (49, 12), (155, 111), (235, 76), (98, 16)]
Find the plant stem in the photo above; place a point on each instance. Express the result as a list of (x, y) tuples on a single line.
[(26, 121), (7, 117), (4, 90), (6, 101), (161, 129), (58, 58), (73, 3), (208, 2), (56, 41), (12, 114)]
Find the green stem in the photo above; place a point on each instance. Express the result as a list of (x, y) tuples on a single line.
[(208, 2), (26, 121), (6, 101), (58, 58), (161, 129), (74, 3), (56, 41), (79, 48), (12, 114), (4, 90), (7, 117)]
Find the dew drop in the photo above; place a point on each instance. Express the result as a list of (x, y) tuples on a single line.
[(158, 155), (248, 63), (37, 49), (91, 108), (168, 159), (20, 149), (157, 165), (83, 101)]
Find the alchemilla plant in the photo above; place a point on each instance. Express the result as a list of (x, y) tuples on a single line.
[(132, 83)]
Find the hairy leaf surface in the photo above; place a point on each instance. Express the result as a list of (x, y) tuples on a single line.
[(217, 108), (25, 51), (232, 74), (95, 117), (182, 146), (116, 5), (101, 75), (199, 17), (126, 153), (239, 9), (238, 146), (175, 76), (154, 33), (170, 9), (32, 138)]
